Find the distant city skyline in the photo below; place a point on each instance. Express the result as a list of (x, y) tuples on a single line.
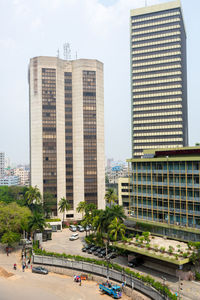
[(27, 30)]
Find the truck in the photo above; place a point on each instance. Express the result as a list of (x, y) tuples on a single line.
[(112, 290)]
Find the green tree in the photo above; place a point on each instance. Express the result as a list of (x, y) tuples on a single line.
[(90, 208), (110, 197), (13, 218), (116, 229), (33, 197), (81, 207), (10, 238), (9, 194), (49, 202), (117, 211), (64, 206), (106, 179), (36, 222)]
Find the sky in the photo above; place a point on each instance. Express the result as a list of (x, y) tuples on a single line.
[(96, 29)]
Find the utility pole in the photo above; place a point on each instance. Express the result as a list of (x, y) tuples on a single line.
[(180, 287), (164, 284)]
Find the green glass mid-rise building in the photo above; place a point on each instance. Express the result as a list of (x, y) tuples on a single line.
[(158, 78), (166, 191)]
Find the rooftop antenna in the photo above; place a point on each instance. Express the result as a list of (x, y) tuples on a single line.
[(58, 53), (145, 3), (76, 54), (67, 51)]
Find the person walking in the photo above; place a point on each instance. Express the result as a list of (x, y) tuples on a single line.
[(80, 281), (23, 266)]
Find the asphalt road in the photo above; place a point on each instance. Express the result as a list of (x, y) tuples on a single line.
[(27, 285), (60, 243)]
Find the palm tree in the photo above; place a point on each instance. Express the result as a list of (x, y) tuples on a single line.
[(81, 207), (33, 196), (36, 222), (116, 229), (90, 208), (110, 197), (117, 211), (64, 206)]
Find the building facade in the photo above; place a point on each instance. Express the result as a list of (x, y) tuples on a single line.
[(158, 78), (24, 176), (166, 191), (124, 190), (9, 180), (2, 164), (67, 130)]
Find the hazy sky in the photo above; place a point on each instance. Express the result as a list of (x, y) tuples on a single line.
[(96, 29)]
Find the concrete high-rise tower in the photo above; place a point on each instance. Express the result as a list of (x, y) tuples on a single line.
[(67, 130), (158, 78), (2, 164)]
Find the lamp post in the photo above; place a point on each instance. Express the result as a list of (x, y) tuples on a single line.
[(180, 287), (164, 284)]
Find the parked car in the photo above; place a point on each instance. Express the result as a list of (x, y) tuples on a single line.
[(25, 242), (99, 249), (40, 270), (88, 227), (87, 247), (93, 249), (72, 228), (135, 262), (74, 237), (80, 228), (112, 255)]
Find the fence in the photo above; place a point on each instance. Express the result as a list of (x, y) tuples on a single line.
[(100, 271)]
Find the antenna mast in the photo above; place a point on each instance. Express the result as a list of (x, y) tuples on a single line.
[(67, 51)]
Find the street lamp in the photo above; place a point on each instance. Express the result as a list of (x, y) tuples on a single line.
[(180, 287), (164, 284)]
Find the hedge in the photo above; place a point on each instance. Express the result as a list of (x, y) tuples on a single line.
[(147, 279)]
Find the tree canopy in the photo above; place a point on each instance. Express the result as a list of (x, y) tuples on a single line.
[(9, 194), (12, 216), (110, 196), (64, 206)]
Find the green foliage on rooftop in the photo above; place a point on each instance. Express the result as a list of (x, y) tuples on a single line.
[(146, 279)]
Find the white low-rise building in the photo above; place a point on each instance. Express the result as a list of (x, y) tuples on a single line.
[(9, 180), (24, 176)]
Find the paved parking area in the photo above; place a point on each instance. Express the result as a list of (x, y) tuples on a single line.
[(60, 243)]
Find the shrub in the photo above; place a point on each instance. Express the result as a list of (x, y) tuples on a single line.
[(137, 237), (197, 275), (52, 220), (148, 246), (155, 247), (162, 249), (147, 279)]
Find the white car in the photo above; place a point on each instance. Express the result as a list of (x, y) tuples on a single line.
[(74, 237)]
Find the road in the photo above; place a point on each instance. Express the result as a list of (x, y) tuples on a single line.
[(20, 285), (60, 243)]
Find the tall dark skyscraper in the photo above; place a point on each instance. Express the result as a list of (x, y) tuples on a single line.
[(158, 78)]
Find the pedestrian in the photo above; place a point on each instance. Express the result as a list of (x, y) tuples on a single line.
[(122, 286), (23, 266), (80, 281)]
